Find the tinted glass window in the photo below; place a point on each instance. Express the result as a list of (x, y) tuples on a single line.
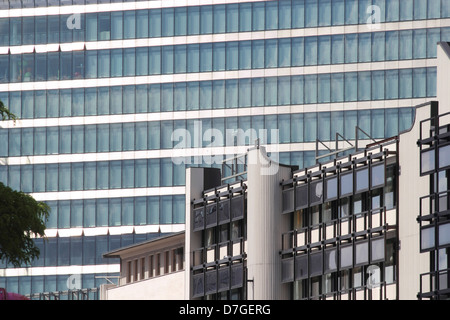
[(377, 250), (362, 253), (346, 257), (427, 238), (346, 184), (444, 156), (288, 200), (315, 264), (301, 267), (362, 179), (199, 218), (427, 161), (377, 175), (301, 196), (331, 185)]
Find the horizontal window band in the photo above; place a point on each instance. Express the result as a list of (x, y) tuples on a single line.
[(78, 45), (214, 75), (186, 156), (110, 7), (110, 193), (63, 270), (134, 177), (137, 118), (64, 253)]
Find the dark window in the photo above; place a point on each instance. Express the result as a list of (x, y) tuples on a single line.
[(301, 199), (362, 179), (211, 282), (301, 267), (287, 270), (346, 184), (288, 200), (237, 207), (224, 211), (211, 215), (224, 279), (331, 188), (316, 264), (237, 276), (361, 253), (199, 222), (198, 285), (346, 260)]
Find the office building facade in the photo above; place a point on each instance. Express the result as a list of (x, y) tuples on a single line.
[(117, 99)]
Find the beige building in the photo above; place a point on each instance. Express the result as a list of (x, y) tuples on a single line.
[(151, 270)]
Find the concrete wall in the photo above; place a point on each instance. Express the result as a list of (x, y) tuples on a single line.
[(265, 224), (412, 263), (411, 187), (166, 287), (443, 77)]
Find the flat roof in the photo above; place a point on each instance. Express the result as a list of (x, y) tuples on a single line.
[(116, 253)]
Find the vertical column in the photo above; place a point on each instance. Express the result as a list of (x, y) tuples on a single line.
[(265, 225)]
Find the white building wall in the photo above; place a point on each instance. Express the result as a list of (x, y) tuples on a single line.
[(443, 77), (411, 187), (265, 224), (167, 287), (412, 263)]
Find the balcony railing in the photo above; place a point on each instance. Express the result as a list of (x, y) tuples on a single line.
[(218, 253), (434, 284), (374, 220)]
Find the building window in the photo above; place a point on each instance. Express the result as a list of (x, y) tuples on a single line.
[(129, 271), (167, 268), (142, 269), (151, 266), (158, 264)]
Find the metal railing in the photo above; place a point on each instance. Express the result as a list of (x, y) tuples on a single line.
[(434, 283), (79, 294), (374, 219), (218, 252), (338, 150)]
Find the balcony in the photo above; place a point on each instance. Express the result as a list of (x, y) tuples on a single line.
[(435, 285)]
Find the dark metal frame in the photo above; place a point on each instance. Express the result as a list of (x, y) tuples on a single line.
[(208, 273), (372, 230)]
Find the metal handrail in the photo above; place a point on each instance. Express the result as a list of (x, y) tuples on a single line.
[(434, 282)]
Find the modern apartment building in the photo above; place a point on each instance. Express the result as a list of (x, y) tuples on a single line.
[(117, 98)]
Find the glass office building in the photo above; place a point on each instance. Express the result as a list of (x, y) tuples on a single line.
[(100, 87)]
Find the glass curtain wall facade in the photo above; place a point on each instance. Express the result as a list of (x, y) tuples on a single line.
[(100, 86)]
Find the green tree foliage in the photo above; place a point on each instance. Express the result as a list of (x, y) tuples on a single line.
[(5, 114), (21, 219)]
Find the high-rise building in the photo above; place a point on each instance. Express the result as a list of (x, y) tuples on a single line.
[(117, 98)]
